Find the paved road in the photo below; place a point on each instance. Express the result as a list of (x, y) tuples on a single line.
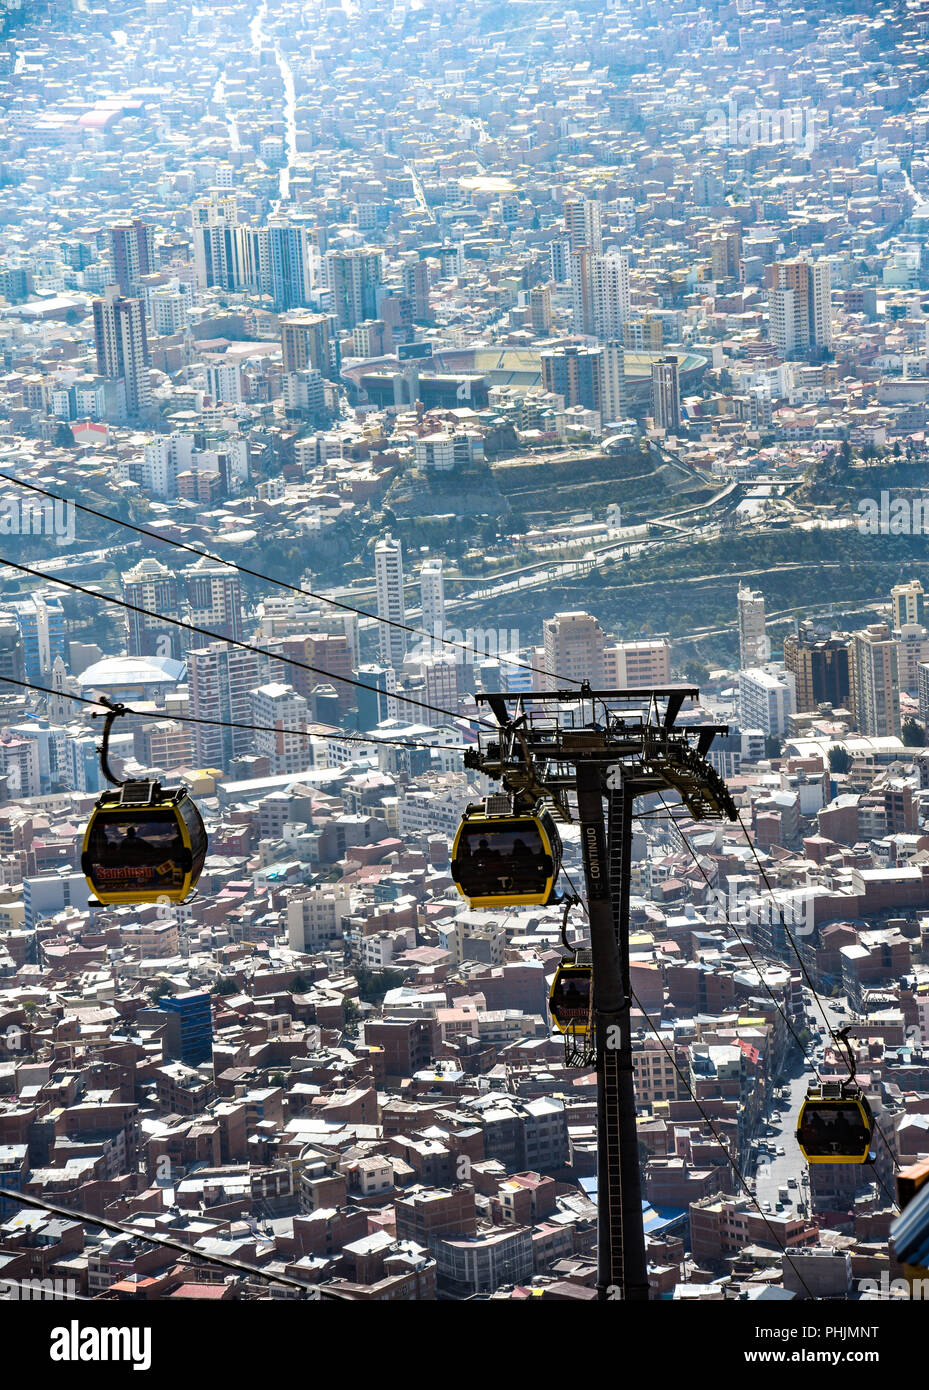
[(774, 1170)]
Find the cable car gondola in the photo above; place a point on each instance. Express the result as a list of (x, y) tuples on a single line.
[(506, 857), (835, 1124), (143, 841), (569, 1001)]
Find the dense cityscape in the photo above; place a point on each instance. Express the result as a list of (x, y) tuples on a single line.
[(358, 362)]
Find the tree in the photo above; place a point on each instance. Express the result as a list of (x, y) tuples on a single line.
[(63, 438), (351, 1013), (839, 759), (772, 746), (696, 671), (374, 984), (914, 734)]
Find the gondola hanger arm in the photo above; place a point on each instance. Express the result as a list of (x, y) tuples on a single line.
[(114, 710)]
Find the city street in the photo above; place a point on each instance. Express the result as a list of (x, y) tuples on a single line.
[(773, 1170)]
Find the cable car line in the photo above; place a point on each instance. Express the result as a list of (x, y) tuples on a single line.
[(741, 940), (718, 1137), (875, 1123), (280, 583), (125, 1228), (236, 642), (861, 1105), (787, 932), (715, 1132), (165, 715)]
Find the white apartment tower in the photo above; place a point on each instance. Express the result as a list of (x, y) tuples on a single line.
[(609, 294), (612, 382), (582, 224), (221, 681), (388, 579), (753, 642), (282, 715), (800, 306), (875, 681), (432, 595)]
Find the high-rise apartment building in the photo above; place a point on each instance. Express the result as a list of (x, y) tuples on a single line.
[(573, 373), (352, 278), (329, 653), (582, 306), (214, 594), (223, 250), (609, 294), (388, 579), (194, 1011), (574, 650), (726, 255), (168, 311), (432, 597), (414, 281), (766, 700), (283, 716), (819, 666), (875, 681), (800, 306), (540, 308), (666, 394), (909, 603), (637, 665), (582, 224), (281, 262), (613, 399), (305, 343), (912, 641), (441, 680), (221, 679), (753, 642), (559, 259), (132, 251), (151, 585), (41, 622), (224, 382), (122, 347)]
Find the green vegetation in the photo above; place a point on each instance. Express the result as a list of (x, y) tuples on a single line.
[(374, 984), (914, 734), (687, 586), (840, 760)]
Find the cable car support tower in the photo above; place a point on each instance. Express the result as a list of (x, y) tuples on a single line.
[(571, 751)]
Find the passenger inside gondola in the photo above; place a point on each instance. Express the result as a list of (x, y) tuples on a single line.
[(574, 997), (834, 1130)]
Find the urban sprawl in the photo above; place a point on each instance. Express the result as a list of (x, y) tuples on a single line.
[(358, 359)]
